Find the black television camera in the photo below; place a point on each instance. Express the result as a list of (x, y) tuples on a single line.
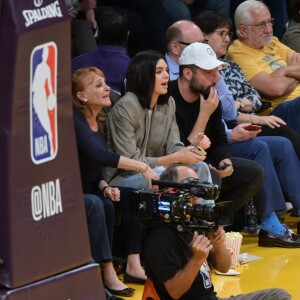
[(172, 205)]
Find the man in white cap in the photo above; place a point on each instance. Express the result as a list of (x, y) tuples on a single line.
[(198, 73)]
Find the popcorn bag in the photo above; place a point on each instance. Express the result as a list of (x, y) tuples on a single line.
[(233, 243)]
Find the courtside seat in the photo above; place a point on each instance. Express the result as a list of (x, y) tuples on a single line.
[(150, 291)]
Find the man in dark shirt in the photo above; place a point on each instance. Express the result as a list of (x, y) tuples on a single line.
[(111, 55), (195, 119), (177, 262)]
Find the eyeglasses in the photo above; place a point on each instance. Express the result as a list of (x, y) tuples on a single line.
[(262, 26), (223, 34), (183, 43)]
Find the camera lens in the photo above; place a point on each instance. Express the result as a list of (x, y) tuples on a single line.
[(205, 212)]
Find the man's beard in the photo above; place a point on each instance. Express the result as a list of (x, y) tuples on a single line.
[(197, 88), (269, 40)]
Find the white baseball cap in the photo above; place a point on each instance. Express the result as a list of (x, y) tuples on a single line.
[(200, 55)]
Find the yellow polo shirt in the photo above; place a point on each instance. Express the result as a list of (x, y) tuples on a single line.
[(253, 61)]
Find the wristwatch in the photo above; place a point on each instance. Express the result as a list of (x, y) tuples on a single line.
[(242, 105)]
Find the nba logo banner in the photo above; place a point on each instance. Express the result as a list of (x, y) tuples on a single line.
[(43, 103)]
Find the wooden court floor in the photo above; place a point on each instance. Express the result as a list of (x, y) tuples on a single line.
[(278, 267)]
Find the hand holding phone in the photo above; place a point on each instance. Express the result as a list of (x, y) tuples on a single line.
[(224, 166), (198, 150), (252, 127)]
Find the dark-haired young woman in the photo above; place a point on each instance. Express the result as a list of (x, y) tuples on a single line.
[(142, 124)]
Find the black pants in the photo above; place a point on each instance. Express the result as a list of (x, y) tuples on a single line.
[(100, 213), (246, 180)]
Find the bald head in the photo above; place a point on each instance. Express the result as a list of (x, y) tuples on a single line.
[(178, 172), (186, 172), (180, 34)]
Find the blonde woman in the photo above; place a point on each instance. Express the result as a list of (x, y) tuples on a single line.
[(90, 95)]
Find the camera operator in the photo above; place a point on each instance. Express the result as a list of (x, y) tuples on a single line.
[(178, 262)]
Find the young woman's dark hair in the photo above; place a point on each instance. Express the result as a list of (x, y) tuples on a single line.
[(141, 77), (209, 21)]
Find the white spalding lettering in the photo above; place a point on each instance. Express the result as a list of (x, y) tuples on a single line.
[(35, 15)]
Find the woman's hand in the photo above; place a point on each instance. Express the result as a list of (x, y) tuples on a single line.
[(112, 193), (186, 156), (271, 121), (150, 174), (246, 103)]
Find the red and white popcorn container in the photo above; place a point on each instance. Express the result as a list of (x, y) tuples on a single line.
[(233, 243)]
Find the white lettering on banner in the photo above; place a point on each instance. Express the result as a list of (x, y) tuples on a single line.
[(35, 15), (41, 145), (46, 200), (38, 3)]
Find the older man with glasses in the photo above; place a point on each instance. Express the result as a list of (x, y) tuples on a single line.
[(272, 68)]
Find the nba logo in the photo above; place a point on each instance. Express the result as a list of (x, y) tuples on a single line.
[(43, 103)]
